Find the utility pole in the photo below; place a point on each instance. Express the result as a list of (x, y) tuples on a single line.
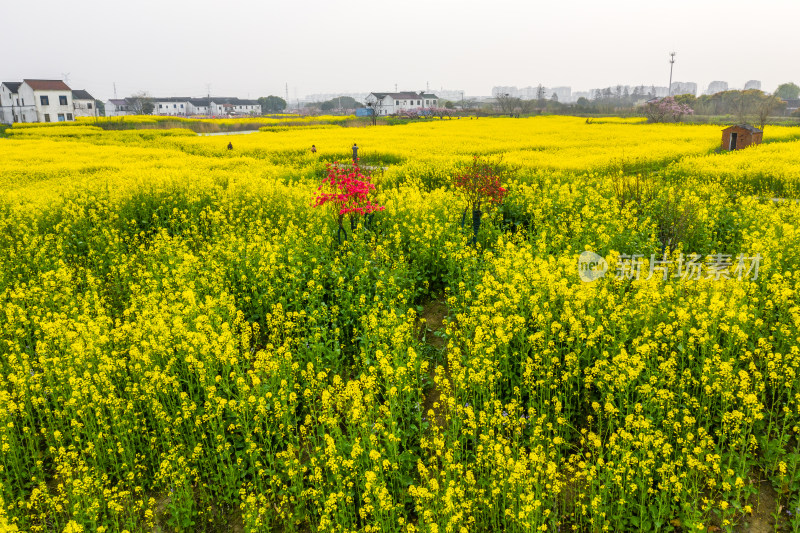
[(671, 63), (287, 94), (208, 93), (395, 87), (115, 90)]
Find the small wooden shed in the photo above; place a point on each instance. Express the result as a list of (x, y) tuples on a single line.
[(740, 136)]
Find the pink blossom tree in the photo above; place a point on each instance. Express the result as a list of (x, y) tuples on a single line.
[(666, 109)]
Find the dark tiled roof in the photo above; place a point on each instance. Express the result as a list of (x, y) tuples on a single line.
[(222, 101), (171, 99), (405, 95), (13, 86), (232, 100), (747, 127), (80, 94), (47, 85)]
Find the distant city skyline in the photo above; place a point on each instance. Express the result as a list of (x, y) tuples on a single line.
[(250, 48)]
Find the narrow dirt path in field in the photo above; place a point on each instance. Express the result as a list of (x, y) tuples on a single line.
[(432, 321), (765, 505)]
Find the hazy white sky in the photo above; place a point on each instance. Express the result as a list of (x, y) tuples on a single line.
[(252, 48)]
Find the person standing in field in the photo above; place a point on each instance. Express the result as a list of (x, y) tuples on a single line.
[(313, 149), (355, 153), (230, 146)]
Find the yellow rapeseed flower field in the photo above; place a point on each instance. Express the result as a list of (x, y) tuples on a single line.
[(187, 344)]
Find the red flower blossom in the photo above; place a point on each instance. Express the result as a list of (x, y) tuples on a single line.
[(348, 190)]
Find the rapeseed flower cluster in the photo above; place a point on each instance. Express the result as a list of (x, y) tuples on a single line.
[(185, 344)]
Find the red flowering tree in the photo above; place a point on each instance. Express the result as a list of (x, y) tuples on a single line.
[(347, 191), (481, 185)]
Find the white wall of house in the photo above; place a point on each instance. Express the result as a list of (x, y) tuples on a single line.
[(85, 108), (390, 105), (21, 106), (384, 106), (11, 107), (245, 109), (171, 108), (51, 106), (114, 110), (6, 102), (196, 109)]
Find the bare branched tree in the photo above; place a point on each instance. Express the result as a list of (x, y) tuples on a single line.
[(508, 103), (140, 103), (765, 107)]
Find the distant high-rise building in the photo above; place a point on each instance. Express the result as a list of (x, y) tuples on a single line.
[(505, 90), (577, 95), (683, 87), (527, 93), (564, 94), (717, 87), (752, 84), (531, 92), (454, 95), (661, 92)]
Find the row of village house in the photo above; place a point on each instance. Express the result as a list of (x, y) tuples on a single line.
[(43, 101), (54, 101), (184, 107)]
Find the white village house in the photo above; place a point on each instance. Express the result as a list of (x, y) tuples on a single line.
[(223, 106), (36, 101), (117, 107), (392, 103), (84, 103), (171, 106), (179, 106), (52, 98), (13, 107), (239, 106)]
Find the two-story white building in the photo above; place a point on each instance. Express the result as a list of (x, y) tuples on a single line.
[(172, 106), (239, 106), (52, 98), (84, 103), (393, 103), (36, 101), (185, 107), (13, 107), (199, 106), (118, 107), (223, 106)]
